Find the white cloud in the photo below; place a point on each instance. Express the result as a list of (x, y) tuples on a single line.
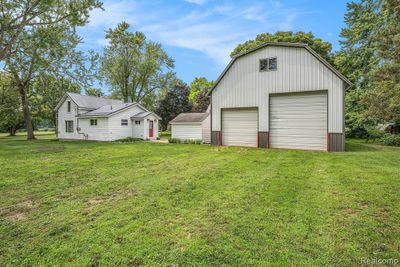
[(213, 30), (197, 2)]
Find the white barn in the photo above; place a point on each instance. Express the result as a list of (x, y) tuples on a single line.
[(95, 118), (279, 95), (191, 126)]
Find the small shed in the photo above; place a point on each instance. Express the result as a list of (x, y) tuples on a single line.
[(191, 126)]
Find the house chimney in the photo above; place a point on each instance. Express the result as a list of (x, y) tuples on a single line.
[(129, 99)]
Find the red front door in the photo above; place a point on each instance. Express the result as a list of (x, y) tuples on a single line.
[(150, 128)]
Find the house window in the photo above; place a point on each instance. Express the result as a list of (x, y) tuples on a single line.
[(93, 122), (268, 64), (69, 126), (69, 106), (137, 122), (124, 122)]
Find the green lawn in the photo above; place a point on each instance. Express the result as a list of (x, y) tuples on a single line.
[(91, 203), (22, 136)]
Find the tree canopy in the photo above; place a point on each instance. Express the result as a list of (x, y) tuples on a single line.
[(175, 101), (20, 15), (48, 49), (369, 56), (322, 48), (10, 108), (134, 67), (198, 94)]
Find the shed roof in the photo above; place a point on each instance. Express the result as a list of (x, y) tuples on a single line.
[(189, 117), (283, 44)]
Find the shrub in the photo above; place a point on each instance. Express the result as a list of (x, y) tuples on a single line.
[(390, 140), (373, 134), (184, 141), (129, 140)]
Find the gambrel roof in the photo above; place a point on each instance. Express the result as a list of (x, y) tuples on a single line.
[(282, 44)]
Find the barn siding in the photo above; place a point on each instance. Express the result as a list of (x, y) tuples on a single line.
[(206, 130), (298, 70), (215, 138), (336, 142)]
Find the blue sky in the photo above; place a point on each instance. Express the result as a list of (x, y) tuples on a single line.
[(200, 34)]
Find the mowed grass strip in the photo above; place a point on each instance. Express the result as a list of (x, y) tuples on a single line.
[(92, 203)]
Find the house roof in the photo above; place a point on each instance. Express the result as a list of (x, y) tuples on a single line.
[(144, 114), (101, 107), (189, 117), (282, 44), (107, 110), (88, 102), (92, 102)]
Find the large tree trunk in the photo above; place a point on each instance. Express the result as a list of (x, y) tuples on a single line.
[(12, 130), (25, 111)]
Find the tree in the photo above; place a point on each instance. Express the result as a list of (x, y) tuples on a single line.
[(321, 47), (19, 15), (357, 56), (176, 101), (47, 92), (369, 56), (198, 94), (356, 59), (48, 49), (94, 92), (202, 102), (133, 67), (383, 97), (10, 108)]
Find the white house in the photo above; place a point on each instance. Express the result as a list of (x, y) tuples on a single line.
[(279, 95), (95, 118), (191, 126)]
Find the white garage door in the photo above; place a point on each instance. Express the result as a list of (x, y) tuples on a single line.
[(299, 121), (239, 127), (186, 131)]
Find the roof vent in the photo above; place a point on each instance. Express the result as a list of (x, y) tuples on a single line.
[(110, 107)]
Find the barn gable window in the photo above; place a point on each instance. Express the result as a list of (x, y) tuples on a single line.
[(268, 64), (264, 64), (69, 106), (124, 122), (273, 63), (93, 122)]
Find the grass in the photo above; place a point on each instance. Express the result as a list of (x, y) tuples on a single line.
[(22, 135), (90, 203)]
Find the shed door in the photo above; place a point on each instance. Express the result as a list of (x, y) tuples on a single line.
[(186, 131), (239, 127), (299, 121)]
